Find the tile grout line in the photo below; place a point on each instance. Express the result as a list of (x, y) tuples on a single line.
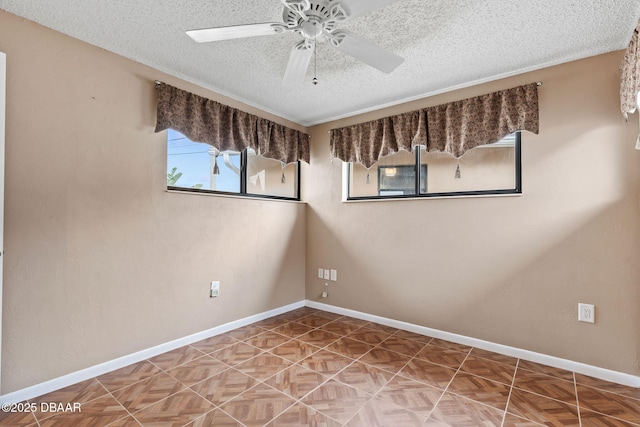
[(219, 407), (88, 401), (215, 408), (128, 385), (259, 382), (108, 393), (449, 383), (331, 418), (396, 374), (298, 401), (119, 403), (560, 401), (575, 389), (114, 398), (513, 381), (633, 423), (162, 370), (545, 396), (602, 390), (353, 361), (373, 395), (424, 345)]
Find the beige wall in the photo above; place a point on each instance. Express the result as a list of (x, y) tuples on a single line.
[(511, 270), (100, 261)]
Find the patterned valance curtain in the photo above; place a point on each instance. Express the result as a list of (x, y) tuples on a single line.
[(365, 143), (459, 126), (630, 79), (226, 128), (452, 128)]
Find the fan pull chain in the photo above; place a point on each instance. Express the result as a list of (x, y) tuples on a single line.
[(368, 178), (315, 62), (283, 179), (458, 171)]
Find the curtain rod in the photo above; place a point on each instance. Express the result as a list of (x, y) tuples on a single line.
[(157, 82)]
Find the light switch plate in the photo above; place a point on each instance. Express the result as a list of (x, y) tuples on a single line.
[(215, 289), (334, 275), (326, 275), (320, 273)]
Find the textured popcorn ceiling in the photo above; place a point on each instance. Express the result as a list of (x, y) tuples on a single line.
[(446, 44)]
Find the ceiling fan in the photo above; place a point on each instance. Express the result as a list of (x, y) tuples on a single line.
[(315, 21)]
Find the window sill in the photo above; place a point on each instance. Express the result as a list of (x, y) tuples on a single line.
[(232, 196), (404, 199)]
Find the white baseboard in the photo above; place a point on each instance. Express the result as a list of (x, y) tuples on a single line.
[(103, 368), (121, 362), (556, 362)]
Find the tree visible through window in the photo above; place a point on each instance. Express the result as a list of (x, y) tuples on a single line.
[(200, 167)]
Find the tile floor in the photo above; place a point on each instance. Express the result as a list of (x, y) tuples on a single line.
[(312, 368)]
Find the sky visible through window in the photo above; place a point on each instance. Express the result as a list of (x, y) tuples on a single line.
[(193, 160)]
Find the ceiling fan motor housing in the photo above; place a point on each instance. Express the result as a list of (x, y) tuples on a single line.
[(315, 19)]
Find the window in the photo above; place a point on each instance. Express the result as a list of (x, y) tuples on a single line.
[(197, 167), (487, 169)]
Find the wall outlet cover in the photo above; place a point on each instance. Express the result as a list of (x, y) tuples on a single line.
[(326, 274), (586, 313)]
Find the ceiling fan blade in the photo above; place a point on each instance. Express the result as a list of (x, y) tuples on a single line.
[(298, 64), (233, 32), (356, 8), (365, 51)]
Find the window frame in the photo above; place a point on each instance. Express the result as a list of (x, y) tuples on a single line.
[(244, 157), (516, 190)]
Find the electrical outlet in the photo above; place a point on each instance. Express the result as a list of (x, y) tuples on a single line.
[(334, 275), (586, 313), (215, 289), (320, 273), (326, 274)]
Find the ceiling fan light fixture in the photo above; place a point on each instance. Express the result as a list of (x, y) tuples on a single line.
[(311, 29)]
